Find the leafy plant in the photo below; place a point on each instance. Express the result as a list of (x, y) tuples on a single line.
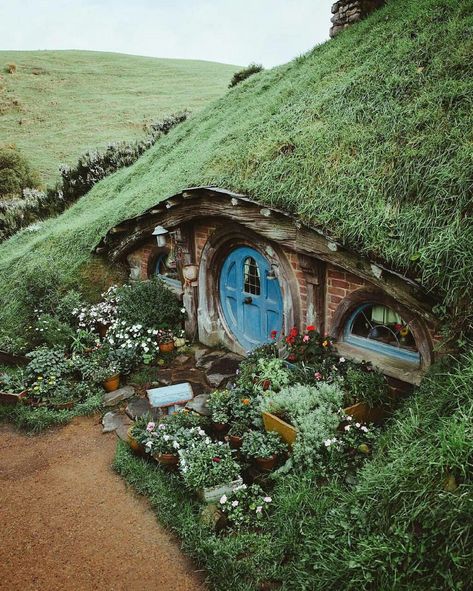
[(364, 384), (219, 405), (245, 507), (245, 73), (150, 304), (54, 332), (259, 444), (238, 428), (208, 464), (15, 173)]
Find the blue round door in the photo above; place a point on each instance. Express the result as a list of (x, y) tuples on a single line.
[(250, 297)]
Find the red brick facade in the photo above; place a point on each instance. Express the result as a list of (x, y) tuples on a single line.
[(339, 284)]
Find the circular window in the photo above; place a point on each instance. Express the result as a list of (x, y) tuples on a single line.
[(381, 329)]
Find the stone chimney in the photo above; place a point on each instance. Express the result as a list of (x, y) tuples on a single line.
[(347, 12)]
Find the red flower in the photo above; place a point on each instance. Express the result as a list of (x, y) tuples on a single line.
[(273, 334), (294, 332), (318, 375), (290, 340), (292, 357), (311, 328), (216, 460)]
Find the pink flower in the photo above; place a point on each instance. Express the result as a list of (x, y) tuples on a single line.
[(150, 426), (306, 338), (318, 375)]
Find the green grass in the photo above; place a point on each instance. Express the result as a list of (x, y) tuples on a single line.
[(59, 104), (381, 123), (36, 420), (397, 529)]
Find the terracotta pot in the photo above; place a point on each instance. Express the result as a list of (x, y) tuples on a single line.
[(219, 426), (364, 414), (102, 329), (166, 347), (266, 464), (235, 441), (266, 384), (137, 447), (112, 383), (167, 459)]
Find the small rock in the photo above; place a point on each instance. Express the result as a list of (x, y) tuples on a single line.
[(211, 516), (113, 398), (138, 407), (114, 420), (182, 359), (206, 360), (216, 379), (199, 405)]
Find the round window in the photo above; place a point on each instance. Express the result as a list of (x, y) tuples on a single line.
[(381, 329)]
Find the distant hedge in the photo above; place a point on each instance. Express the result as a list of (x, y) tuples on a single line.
[(244, 74), (16, 173)]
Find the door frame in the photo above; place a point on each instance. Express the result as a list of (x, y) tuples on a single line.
[(212, 326)]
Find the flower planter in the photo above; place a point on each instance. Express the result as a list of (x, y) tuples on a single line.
[(168, 460), (235, 441), (273, 423), (210, 494), (166, 347), (364, 414), (112, 383), (136, 447), (12, 398), (267, 464), (266, 385), (33, 402), (219, 427)]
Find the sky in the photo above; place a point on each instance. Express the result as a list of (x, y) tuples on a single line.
[(270, 32)]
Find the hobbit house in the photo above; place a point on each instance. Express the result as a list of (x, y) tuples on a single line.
[(244, 270)]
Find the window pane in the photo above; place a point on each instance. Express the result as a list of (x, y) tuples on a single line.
[(381, 324), (251, 277), (166, 266)]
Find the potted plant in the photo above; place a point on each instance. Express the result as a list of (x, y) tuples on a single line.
[(110, 377), (235, 434), (210, 468), (246, 506), (270, 374), (218, 403), (167, 438), (138, 434), (263, 448), (366, 393), (165, 340)]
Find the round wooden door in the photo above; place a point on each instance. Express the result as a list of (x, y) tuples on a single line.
[(250, 297)]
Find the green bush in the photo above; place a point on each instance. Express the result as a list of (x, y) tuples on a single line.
[(151, 304), (363, 384), (244, 74), (15, 174)]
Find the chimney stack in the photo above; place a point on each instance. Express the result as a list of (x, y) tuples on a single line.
[(347, 12)]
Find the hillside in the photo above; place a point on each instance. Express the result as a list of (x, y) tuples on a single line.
[(58, 104), (368, 136)]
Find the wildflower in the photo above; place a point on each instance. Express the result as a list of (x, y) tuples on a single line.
[(235, 503), (216, 459), (259, 509), (40, 378), (318, 376), (364, 428), (294, 332), (342, 360), (328, 442), (175, 445), (306, 338), (267, 499), (326, 343), (223, 499), (183, 310), (245, 401), (311, 328), (273, 334), (357, 425), (347, 427)]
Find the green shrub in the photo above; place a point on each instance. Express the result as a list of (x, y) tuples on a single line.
[(244, 74), (219, 404), (15, 173), (207, 465), (53, 332), (364, 384), (259, 444), (151, 304)]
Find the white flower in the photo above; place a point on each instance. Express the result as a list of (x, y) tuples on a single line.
[(183, 310), (235, 503), (347, 427), (342, 360), (223, 499), (267, 499), (357, 425), (328, 442), (259, 509), (176, 445), (364, 428), (166, 437)]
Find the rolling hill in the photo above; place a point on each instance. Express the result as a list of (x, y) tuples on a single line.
[(58, 104)]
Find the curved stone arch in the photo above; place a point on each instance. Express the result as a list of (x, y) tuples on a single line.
[(212, 328), (419, 330)]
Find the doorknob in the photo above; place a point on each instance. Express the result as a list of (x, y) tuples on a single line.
[(248, 300)]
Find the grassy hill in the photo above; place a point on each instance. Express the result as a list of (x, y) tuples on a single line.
[(58, 104)]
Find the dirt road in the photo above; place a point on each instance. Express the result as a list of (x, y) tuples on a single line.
[(68, 522)]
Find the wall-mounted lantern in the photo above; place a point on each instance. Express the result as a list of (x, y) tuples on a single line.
[(160, 234)]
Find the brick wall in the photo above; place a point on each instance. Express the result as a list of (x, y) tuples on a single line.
[(139, 259), (339, 284), (201, 235), (294, 261)]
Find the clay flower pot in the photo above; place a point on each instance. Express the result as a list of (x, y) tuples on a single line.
[(267, 464), (219, 427), (166, 347), (112, 383), (235, 441), (266, 384), (167, 459), (136, 447)]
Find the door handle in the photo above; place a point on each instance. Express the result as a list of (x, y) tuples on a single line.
[(248, 300)]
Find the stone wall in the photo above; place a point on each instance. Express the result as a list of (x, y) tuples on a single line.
[(347, 12)]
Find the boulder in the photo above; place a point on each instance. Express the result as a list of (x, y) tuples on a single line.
[(117, 396), (199, 405), (114, 420)]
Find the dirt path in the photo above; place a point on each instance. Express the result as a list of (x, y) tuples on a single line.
[(67, 521)]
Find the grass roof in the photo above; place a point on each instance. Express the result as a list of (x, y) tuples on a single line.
[(369, 136)]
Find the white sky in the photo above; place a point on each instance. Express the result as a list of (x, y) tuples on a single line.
[(231, 31)]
